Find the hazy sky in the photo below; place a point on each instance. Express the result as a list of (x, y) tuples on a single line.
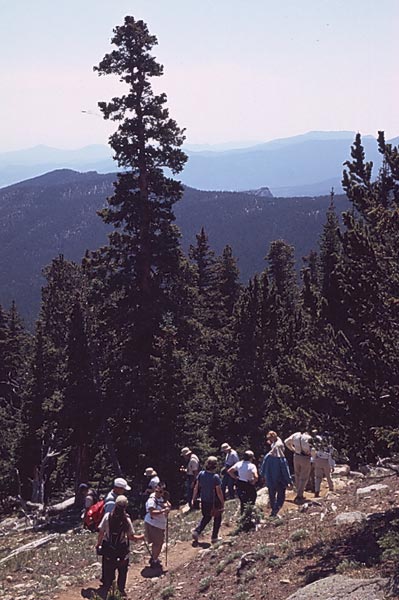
[(248, 70)]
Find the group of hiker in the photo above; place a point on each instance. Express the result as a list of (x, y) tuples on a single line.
[(312, 457)]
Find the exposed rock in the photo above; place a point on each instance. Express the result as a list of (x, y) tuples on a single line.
[(341, 471), (356, 475), (370, 489), (339, 587), (348, 518), (262, 498)]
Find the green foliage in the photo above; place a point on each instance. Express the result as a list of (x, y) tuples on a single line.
[(205, 584)]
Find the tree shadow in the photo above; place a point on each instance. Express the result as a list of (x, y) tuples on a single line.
[(358, 544)]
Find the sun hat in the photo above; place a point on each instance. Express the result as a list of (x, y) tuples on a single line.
[(185, 451), (119, 482), (121, 501), (225, 446), (150, 472)]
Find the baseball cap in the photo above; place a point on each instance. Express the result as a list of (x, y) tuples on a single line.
[(122, 483)]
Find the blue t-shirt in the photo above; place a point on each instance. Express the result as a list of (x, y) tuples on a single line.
[(207, 484)]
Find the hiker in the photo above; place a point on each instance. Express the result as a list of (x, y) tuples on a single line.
[(191, 471), (300, 444), (246, 475), (155, 523), (275, 472), (324, 464), (120, 486), (230, 459), (87, 497), (116, 529), (152, 481), (208, 488)]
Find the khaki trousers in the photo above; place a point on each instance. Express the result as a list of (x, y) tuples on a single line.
[(302, 472), (322, 469)]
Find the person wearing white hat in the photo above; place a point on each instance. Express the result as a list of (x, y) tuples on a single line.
[(153, 480), (191, 471), (230, 459), (120, 486)]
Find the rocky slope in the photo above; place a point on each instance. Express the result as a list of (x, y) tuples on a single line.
[(343, 545)]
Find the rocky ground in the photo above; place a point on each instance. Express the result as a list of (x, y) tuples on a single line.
[(347, 542)]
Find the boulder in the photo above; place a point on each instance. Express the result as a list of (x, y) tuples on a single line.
[(262, 498), (341, 471), (372, 489), (348, 518), (339, 587)]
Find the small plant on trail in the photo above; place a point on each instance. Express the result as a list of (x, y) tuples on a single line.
[(205, 584), (249, 519), (299, 535), (168, 592), (113, 594)]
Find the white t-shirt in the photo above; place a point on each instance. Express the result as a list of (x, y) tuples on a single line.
[(104, 526), (246, 471), (157, 504), (193, 465)]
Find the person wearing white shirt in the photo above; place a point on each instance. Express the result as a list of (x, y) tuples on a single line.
[(300, 444), (191, 470), (246, 475)]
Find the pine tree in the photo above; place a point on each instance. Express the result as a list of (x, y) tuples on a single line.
[(140, 267), (81, 411)]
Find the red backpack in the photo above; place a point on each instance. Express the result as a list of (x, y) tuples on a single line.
[(94, 515)]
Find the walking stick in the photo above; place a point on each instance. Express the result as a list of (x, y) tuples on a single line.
[(166, 540)]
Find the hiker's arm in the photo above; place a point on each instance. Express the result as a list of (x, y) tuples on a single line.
[(232, 472), (255, 476), (195, 492), (100, 538), (219, 494)]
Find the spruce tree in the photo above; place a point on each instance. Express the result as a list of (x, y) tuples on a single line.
[(139, 267)]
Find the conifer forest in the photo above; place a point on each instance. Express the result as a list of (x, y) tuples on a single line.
[(142, 349)]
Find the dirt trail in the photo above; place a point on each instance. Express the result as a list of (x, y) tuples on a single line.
[(181, 553)]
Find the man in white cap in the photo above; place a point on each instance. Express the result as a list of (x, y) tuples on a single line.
[(191, 471), (230, 459), (120, 487)]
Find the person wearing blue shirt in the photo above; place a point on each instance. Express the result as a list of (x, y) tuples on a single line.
[(275, 472)]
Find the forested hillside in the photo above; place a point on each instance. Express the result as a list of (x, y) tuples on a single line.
[(142, 333), (56, 214)]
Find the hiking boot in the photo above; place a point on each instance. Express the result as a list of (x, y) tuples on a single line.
[(216, 540), (195, 535), (317, 494)]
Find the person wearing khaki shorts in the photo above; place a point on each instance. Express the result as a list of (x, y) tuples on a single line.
[(155, 521)]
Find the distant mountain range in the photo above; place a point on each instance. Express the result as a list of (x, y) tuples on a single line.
[(308, 164), (56, 213)]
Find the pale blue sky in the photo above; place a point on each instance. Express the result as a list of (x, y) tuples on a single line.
[(234, 69)]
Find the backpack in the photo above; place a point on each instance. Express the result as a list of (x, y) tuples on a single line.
[(94, 515)]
